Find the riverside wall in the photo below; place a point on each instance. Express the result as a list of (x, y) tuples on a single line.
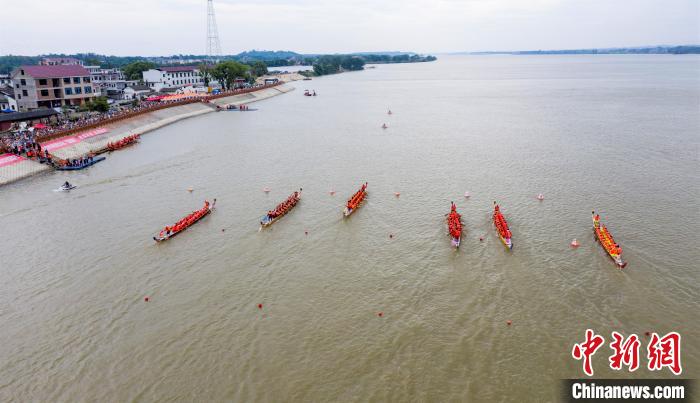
[(141, 124)]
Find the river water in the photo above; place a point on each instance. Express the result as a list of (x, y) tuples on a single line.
[(618, 134)]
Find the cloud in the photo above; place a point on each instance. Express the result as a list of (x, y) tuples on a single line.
[(159, 27)]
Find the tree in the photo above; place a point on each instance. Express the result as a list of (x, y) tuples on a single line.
[(227, 72), (258, 68), (205, 73), (134, 71)]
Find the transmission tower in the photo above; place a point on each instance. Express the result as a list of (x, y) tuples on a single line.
[(213, 44)]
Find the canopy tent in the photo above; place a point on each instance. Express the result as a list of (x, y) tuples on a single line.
[(40, 126), (8, 110)]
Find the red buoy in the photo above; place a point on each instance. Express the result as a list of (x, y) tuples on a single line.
[(647, 333), (306, 232), (391, 235), (146, 299), (259, 306), (481, 239), (509, 322), (380, 314)]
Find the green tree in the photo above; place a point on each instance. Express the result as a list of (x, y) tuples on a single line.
[(205, 73), (227, 72), (134, 71), (258, 68)]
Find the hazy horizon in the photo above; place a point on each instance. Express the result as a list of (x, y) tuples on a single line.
[(160, 27)]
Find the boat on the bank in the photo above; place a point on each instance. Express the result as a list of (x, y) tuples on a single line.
[(603, 236), (84, 165), (309, 94), (186, 222), (281, 210), (125, 142), (454, 226), (355, 201), (236, 108), (502, 227)]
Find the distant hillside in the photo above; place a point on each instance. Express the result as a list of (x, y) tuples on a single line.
[(268, 55), (641, 50)]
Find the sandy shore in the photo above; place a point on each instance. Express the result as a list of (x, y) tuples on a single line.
[(140, 124)]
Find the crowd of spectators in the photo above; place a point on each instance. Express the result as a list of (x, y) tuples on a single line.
[(15, 140)]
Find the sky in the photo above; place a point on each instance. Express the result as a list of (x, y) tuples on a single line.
[(166, 27)]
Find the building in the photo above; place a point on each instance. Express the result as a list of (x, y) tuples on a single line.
[(108, 82), (60, 61), (136, 91), (172, 77), (5, 80), (51, 86), (7, 100)]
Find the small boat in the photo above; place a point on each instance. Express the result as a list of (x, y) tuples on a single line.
[(125, 142), (355, 201), (606, 240), (502, 227), (81, 166), (182, 225), (65, 188), (454, 226), (281, 210), (307, 93), (307, 78)]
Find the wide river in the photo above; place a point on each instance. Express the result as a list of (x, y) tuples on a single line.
[(615, 134)]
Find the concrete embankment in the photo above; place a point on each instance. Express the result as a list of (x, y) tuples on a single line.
[(140, 124)]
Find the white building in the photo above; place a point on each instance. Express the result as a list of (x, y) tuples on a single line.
[(7, 99), (172, 77), (5, 79), (136, 91), (111, 82)]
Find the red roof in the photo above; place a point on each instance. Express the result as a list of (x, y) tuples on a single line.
[(177, 69), (55, 71)]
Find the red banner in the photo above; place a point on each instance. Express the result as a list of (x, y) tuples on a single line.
[(62, 142), (9, 159)]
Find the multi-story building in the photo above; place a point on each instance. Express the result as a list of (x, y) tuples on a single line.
[(172, 77), (60, 61), (108, 82), (51, 86)]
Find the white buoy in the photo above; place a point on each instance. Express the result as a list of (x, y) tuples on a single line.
[(266, 190), (466, 195), (540, 197), (397, 194), (574, 243), (332, 192), (189, 190)]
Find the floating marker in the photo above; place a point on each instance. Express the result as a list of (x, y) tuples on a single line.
[(380, 314), (481, 239), (574, 243), (332, 192), (540, 197), (509, 322), (259, 306), (306, 232), (391, 235), (466, 195), (189, 190), (146, 299), (223, 229), (397, 194), (266, 190), (647, 333)]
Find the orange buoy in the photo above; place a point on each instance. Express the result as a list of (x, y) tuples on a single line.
[(509, 322), (332, 192), (189, 190), (259, 306), (574, 243), (397, 194)]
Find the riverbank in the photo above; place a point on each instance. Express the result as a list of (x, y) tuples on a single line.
[(80, 144)]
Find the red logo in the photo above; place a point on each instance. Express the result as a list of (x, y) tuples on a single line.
[(626, 353), (586, 350), (665, 352)]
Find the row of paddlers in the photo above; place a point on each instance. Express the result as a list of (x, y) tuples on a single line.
[(454, 223)]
